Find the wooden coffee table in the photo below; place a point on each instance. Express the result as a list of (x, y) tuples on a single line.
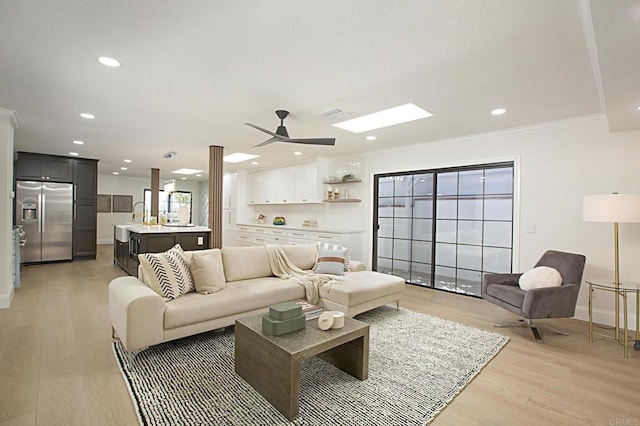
[(271, 364)]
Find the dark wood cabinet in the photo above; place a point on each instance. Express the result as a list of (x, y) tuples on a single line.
[(156, 243), (85, 208), (193, 240), (40, 167)]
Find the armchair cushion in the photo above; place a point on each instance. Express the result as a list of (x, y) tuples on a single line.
[(540, 277)]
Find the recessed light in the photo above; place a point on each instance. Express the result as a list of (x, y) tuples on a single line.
[(238, 157), (127, 161), (74, 153), (639, 108), (116, 173), (254, 163), (183, 178), (388, 117), (123, 168), (498, 111), (87, 116), (110, 62), (371, 138), (198, 175), (297, 153), (78, 142), (186, 171)]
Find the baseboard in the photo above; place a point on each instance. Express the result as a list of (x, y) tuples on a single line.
[(104, 242), (6, 299), (604, 317)]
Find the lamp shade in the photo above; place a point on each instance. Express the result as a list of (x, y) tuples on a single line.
[(611, 208)]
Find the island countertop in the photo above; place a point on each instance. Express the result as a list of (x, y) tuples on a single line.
[(122, 231), (167, 229)]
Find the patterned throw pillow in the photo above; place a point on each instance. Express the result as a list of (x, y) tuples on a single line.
[(330, 261), (167, 273), (347, 256)]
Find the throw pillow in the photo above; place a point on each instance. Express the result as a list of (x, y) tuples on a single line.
[(207, 271), (330, 261), (167, 273), (540, 277), (347, 256)]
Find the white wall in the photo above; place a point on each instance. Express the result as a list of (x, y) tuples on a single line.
[(8, 123), (556, 166), (135, 186)]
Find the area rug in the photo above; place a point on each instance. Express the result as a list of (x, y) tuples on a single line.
[(417, 364)]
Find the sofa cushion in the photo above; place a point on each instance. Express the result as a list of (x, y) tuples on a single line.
[(167, 273), (302, 255), (243, 263), (361, 287), (347, 253), (330, 261), (236, 297), (206, 270)]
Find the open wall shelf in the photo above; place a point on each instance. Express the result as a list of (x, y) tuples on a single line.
[(346, 200), (340, 181)]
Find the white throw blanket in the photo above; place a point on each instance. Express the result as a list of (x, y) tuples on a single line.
[(283, 267)]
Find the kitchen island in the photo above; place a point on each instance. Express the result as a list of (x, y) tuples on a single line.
[(131, 240)]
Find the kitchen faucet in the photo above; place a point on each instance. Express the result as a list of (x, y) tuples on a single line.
[(144, 211)]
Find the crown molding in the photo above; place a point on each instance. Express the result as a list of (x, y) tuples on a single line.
[(11, 116)]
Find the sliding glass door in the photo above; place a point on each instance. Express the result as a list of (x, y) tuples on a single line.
[(470, 235)]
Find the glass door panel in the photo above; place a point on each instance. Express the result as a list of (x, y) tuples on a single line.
[(471, 233)]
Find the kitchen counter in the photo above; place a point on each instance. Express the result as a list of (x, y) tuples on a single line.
[(167, 229), (304, 228), (122, 231)]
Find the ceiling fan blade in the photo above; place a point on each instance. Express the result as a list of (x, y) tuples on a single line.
[(312, 141), (269, 132), (267, 142)]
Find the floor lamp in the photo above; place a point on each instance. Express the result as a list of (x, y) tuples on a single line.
[(613, 208)]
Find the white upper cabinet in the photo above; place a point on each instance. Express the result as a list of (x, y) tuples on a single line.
[(263, 187), (286, 185), (308, 189), (286, 182)]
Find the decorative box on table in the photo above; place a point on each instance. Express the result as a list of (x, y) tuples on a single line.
[(283, 318)]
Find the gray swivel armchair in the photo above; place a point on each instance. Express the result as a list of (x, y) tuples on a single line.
[(550, 302)]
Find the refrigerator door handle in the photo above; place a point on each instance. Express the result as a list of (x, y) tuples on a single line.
[(39, 213), (43, 215)]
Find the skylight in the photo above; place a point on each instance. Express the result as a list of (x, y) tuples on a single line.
[(238, 157), (388, 117), (186, 171)]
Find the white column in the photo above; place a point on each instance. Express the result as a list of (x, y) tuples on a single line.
[(8, 124)]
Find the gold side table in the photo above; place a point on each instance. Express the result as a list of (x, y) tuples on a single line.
[(622, 291)]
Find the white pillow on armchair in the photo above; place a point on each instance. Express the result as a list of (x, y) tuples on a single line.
[(540, 277)]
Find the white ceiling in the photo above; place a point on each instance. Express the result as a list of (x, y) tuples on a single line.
[(194, 71)]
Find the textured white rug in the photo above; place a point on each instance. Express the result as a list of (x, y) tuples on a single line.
[(417, 364)]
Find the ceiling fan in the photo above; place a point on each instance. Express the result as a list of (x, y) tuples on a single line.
[(281, 134)]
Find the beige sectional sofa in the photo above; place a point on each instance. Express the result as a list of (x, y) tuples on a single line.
[(141, 318)]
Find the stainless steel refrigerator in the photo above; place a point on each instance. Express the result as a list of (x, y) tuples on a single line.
[(45, 210)]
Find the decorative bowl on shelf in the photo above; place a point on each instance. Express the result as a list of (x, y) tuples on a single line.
[(279, 220)]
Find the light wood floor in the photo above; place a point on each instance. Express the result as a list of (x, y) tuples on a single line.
[(57, 368)]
